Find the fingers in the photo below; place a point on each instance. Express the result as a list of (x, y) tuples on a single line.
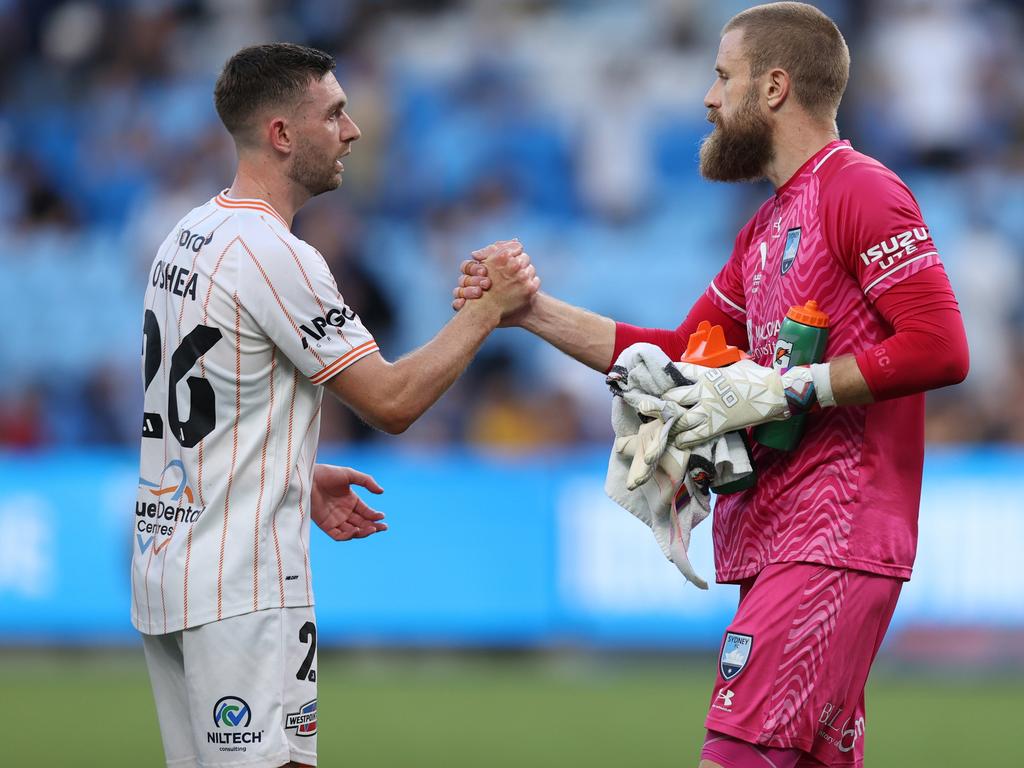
[(364, 480), (483, 253), (507, 253), (466, 281), (469, 288), (473, 267), (347, 532)]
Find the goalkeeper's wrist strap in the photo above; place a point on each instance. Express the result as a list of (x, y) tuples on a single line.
[(807, 388), (823, 384)]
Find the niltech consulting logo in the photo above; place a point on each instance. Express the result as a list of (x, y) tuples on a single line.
[(231, 716)]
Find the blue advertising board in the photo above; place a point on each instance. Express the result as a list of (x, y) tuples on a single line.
[(484, 551)]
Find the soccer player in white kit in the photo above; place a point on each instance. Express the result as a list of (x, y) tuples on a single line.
[(243, 326)]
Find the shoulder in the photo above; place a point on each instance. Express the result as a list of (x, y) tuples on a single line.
[(853, 175)]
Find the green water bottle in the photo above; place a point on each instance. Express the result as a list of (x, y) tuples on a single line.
[(802, 339)]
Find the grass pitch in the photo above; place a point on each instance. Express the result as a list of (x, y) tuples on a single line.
[(88, 709)]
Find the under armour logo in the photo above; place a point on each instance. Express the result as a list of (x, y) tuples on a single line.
[(726, 697)]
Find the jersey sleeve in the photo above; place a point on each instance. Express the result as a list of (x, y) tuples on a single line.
[(873, 225), (726, 289), (292, 295)]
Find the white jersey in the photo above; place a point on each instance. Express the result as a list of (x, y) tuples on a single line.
[(243, 321)]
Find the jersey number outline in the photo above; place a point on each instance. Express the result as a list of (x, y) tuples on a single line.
[(202, 418)]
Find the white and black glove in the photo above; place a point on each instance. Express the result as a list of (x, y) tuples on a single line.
[(741, 395)]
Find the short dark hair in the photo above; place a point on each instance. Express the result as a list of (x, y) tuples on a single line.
[(264, 75), (803, 41)]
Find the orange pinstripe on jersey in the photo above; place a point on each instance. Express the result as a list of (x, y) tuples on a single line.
[(277, 296), (234, 454), (263, 482), (305, 277)]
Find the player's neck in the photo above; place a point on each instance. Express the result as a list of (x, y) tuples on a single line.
[(282, 194), (794, 147)]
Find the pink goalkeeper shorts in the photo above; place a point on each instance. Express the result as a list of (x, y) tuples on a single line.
[(794, 660)]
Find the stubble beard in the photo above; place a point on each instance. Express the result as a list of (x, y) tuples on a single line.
[(311, 171), (741, 149)]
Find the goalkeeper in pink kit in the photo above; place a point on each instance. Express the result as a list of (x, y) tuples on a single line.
[(822, 544)]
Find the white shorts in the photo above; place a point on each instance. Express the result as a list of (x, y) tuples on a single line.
[(237, 692)]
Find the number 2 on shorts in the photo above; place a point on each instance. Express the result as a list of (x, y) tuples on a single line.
[(307, 634)]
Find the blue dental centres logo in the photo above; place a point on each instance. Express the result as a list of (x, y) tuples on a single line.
[(156, 518)]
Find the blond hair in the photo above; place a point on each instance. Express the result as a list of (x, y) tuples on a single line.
[(805, 43)]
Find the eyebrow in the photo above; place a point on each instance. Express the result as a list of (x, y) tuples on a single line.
[(337, 106)]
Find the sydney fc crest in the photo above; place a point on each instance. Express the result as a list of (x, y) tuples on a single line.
[(735, 654), (792, 246)]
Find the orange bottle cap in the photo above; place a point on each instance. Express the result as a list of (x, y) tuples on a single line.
[(707, 347), (808, 314)]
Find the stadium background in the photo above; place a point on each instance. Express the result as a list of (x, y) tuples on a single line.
[(512, 616)]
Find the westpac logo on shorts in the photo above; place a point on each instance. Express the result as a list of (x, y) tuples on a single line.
[(232, 714), (303, 721), (735, 654)]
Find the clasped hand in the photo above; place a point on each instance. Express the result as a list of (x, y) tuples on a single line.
[(501, 272)]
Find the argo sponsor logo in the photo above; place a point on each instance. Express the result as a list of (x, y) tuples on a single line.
[(316, 329), (162, 504)]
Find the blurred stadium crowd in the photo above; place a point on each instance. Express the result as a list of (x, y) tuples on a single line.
[(573, 126)]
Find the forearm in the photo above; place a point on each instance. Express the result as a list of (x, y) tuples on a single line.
[(584, 335), (391, 396), (674, 343), (416, 381), (848, 384)]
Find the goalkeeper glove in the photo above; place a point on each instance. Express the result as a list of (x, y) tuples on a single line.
[(742, 395)]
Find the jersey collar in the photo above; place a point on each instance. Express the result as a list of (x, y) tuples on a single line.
[(235, 203), (814, 162)]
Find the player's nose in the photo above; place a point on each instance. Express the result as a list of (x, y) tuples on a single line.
[(350, 131), (711, 98)]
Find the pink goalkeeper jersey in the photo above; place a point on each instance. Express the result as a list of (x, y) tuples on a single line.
[(841, 231)]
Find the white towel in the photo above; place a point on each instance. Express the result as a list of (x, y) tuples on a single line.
[(665, 486)]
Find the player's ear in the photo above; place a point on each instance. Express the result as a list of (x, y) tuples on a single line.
[(775, 87), (280, 135)]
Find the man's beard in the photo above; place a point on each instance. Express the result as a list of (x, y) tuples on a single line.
[(741, 149), (312, 172)]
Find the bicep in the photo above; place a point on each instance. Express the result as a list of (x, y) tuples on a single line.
[(928, 347), (364, 386)]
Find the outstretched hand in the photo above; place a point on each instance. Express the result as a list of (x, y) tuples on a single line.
[(335, 507)]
